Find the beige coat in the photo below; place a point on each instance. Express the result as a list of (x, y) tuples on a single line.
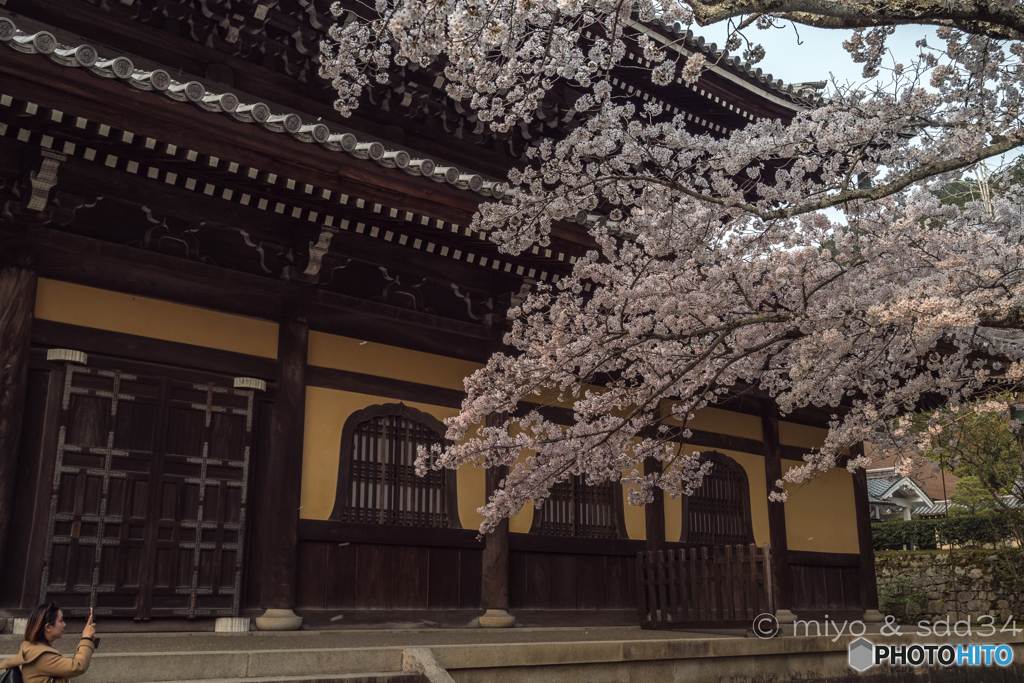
[(40, 663)]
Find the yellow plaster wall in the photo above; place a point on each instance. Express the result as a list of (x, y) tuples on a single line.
[(105, 310), (791, 434), (326, 412), (821, 514), (345, 353), (719, 421)]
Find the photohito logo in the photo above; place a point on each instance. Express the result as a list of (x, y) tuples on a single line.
[(864, 654)]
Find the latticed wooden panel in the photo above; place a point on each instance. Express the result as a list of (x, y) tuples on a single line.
[(147, 516), (580, 510), (383, 485), (717, 510)]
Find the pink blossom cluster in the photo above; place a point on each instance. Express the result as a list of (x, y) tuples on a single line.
[(820, 261)]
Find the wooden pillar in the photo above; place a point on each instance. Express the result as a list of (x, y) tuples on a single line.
[(868, 582), (18, 282), (282, 480), (494, 589), (654, 512), (782, 582)]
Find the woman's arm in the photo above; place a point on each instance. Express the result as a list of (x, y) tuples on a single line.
[(52, 664)]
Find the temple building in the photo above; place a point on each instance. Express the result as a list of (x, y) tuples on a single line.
[(229, 316)]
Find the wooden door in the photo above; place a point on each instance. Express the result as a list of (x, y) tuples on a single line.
[(147, 516)]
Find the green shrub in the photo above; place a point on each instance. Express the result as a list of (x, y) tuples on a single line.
[(928, 534)]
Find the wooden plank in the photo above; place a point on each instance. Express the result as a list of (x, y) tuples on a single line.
[(672, 577), (375, 567), (563, 580), (342, 580), (620, 582), (518, 583), (315, 573), (410, 578), (591, 576), (538, 573), (470, 573), (651, 581), (443, 578)]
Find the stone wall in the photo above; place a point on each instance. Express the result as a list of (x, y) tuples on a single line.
[(964, 584)]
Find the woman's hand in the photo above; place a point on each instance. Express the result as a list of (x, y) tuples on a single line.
[(90, 628)]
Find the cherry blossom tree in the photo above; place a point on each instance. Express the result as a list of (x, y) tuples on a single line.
[(814, 260)]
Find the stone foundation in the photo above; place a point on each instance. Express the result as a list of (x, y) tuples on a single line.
[(964, 584)]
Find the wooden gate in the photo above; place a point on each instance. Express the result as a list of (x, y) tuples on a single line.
[(724, 588), (147, 517)]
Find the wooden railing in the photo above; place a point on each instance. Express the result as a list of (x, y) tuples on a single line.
[(718, 587)]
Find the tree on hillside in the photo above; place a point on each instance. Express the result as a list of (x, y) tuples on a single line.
[(717, 267)]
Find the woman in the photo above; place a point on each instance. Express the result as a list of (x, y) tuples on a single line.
[(39, 660)]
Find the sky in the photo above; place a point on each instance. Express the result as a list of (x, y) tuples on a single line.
[(818, 54)]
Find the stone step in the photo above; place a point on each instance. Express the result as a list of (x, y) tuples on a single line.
[(373, 677), (153, 667), (305, 640)]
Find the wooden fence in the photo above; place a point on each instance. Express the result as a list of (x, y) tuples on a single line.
[(719, 587)]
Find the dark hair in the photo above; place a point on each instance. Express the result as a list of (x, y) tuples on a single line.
[(41, 617)]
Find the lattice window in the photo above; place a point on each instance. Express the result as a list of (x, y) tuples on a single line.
[(578, 509), (718, 513), (377, 482)]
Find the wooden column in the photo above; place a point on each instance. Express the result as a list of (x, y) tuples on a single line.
[(654, 512), (494, 589), (781, 579), (282, 479), (17, 304), (494, 592), (868, 582)]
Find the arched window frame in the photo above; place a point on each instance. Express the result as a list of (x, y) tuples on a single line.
[(578, 482), (721, 460), (341, 499)]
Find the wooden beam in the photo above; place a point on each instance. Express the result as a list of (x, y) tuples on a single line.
[(47, 333), (382, 534), (17, 303), (781, 579), (280, 473), (398, 389), (868, 581)]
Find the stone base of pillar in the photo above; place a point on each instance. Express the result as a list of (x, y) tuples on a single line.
[(278, 620), (497, 618), (873, 616), (784, 616), (231, 625), (18, 627)]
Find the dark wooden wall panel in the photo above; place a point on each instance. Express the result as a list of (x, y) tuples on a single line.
[(568, 581), (817, 587), (365, 576)]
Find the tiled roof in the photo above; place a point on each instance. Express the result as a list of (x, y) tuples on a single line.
[(26, 37)]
